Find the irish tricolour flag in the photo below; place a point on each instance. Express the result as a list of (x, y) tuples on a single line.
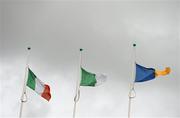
[(91, 79), (38, 86)]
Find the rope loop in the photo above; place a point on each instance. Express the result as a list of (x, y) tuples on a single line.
[(77, 97), (132, 93), (24, 97)]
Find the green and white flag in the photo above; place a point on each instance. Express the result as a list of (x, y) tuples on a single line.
[(91, 79), (38, 86)]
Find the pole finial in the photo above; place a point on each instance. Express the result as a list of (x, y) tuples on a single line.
[(29, 48), (134, 45), (80, 49)]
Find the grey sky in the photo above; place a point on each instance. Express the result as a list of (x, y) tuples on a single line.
[(106, 31)]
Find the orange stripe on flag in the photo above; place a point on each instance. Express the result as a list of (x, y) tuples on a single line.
[(46, 93), (163, 72)]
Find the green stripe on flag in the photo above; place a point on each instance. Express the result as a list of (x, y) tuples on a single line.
[(87, 79), (31, 79)]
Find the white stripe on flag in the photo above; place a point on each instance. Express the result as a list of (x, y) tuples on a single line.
[(100, 78), (39, 86)]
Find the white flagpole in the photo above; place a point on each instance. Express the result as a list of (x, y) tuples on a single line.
[(77, 95), (131, 96), (23, 96)]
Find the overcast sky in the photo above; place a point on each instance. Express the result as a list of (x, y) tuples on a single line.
[(106, 31)]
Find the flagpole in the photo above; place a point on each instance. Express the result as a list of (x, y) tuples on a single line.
[(23, 96), (133, 82), (77, 95)]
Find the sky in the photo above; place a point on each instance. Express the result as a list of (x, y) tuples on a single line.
[(106, 31)]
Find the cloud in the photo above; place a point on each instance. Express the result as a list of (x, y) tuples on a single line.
[(56, 31)]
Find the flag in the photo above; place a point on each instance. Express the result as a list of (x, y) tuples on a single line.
[(91, 79), (146, 74), (38, 86)]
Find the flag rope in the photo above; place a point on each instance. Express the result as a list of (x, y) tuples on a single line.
[(77, 95), (132, 90), (24, 96), (131, 96)]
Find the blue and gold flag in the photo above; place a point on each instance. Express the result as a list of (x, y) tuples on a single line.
[(145, 74)]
